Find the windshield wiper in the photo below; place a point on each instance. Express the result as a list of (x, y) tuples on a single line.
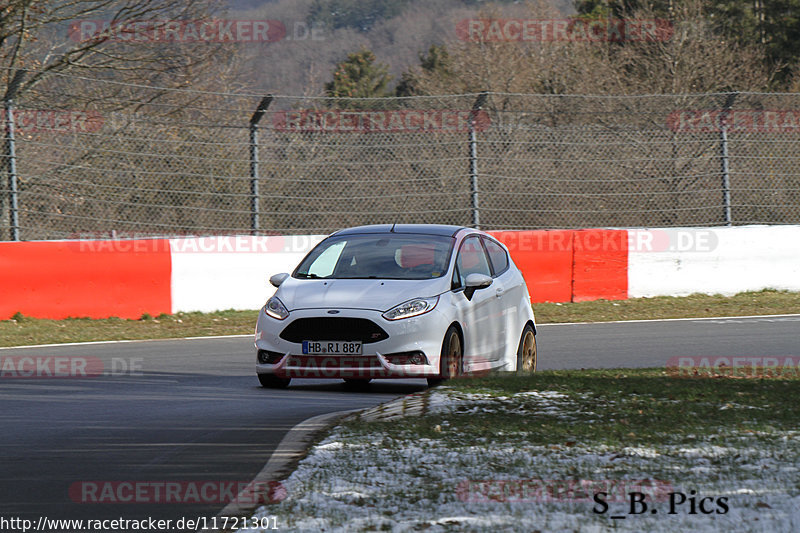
[(307, 276)]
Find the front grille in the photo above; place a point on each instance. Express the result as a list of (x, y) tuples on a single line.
[(333, 362), (333, 329)]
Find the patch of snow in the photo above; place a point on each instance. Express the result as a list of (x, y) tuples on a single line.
[(363, 482), (640, 451)]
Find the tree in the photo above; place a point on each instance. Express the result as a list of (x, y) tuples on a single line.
[(359, 76), (40, 38), (85, 55), (771, 26), (436, 62), (692, 59), (696, 58)]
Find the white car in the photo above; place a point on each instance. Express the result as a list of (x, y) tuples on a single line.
[(397, 301)]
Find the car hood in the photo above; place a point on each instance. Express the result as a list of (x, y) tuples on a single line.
[(375, 294)]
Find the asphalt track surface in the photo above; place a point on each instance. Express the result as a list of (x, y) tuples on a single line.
[(192, 409)]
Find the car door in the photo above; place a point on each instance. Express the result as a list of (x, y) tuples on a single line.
[(479, 315), (509, 290)]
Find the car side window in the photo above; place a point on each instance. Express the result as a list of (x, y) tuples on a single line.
[(455, 283), (497, 256), (471, 260), (324, 265)]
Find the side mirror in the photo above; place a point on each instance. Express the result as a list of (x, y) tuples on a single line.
[(277, 279), (476, 282)]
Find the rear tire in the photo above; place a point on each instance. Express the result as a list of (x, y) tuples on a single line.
[(526, 353), (451, 359), (271, 381)]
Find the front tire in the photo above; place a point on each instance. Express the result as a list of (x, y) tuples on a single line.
[(526, 353), (451, 359), (271, 381)]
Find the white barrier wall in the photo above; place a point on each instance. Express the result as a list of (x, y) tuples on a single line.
[(727, 260), (216, 273)]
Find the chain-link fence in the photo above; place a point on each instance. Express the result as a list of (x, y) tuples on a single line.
[(198, 163)]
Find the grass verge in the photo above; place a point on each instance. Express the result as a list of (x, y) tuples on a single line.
[(23, 330), (529, 453), (766, 302)]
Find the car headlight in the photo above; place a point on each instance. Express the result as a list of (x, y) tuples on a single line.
[(276, 309), (415, 307)]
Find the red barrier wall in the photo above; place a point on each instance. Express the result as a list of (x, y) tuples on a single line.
[(545, 259), (95, 279), (98, 279), (571, 265), (600, 265)]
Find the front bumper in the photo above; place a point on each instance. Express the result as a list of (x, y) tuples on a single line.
[(423, 333)]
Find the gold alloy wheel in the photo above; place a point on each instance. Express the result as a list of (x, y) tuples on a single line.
[(453, 356), (529, 352), (450, 359)]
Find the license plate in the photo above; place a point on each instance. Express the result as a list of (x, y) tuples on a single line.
[(331, 347)]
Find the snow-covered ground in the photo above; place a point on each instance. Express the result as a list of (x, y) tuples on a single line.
[(357, 481)]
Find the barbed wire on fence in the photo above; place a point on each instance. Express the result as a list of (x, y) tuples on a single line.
[(195, 164)]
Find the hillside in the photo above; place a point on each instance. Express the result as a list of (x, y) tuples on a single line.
[(396, 30)]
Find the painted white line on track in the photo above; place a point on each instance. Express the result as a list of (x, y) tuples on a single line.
[(690, 319), (89, 343)]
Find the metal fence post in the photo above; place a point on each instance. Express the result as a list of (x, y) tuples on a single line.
[(254, 194), (726, 175), (11, 165), (473, 158)]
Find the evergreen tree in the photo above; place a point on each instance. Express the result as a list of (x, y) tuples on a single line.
[(359, 76), (435, 62), (773, 25)]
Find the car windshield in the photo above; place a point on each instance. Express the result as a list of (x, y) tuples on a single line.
[(381, 255)]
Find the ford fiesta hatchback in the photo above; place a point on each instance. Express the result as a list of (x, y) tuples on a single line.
[(397, 301)]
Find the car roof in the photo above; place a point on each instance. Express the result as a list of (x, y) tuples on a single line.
[(423, 229)]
